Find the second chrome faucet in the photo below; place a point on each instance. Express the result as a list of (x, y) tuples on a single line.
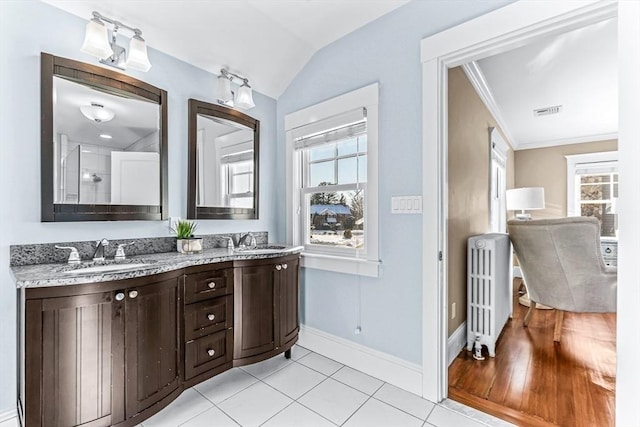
[(98, 254)]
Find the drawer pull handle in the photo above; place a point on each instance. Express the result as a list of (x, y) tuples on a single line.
[(278, 267), (211, 285), (608, 250), (284, 266), (211, 352), (133, 294), (119, 296), (211, 316)]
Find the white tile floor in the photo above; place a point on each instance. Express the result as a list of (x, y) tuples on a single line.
[(307, 391)]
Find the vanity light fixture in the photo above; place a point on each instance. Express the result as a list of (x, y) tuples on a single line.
[(98, 44), (97, 113), (243, 97)]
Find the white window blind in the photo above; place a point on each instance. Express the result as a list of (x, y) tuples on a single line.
[(336, 128)]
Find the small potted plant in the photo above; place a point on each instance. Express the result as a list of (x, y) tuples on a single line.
[(186, 242)]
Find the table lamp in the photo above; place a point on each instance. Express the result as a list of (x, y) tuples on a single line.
[(525, 199)]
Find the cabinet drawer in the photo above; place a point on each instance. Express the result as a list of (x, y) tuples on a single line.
[(209, 284), (206, 317), (207, 353)]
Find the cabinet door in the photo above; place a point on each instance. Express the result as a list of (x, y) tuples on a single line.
[(151, 344), (70, 361), (254, 301), (287, 313)]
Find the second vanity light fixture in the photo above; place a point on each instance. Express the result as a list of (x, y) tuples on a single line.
[(225, 96), (98, 44)]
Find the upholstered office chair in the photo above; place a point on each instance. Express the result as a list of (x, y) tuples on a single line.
[(562, 266)]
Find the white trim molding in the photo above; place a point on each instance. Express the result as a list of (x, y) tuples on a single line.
[(572, 163), (568, 141), (391, 369), (479, 83), (506, 28), (338, 261), (456, 342)]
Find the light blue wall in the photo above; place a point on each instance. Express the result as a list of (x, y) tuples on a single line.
[(385, 51), (26, 29)]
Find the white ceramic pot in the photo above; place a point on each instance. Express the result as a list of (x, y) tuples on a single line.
[(192, 245)]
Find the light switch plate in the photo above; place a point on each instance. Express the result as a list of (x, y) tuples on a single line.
[(406, 204)]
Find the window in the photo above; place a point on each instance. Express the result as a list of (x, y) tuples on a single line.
[(237, 178), (332, 182), (592, 189), (498, 184)]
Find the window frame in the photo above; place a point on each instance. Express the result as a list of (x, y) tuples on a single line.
[(577, 161), (342, 260)]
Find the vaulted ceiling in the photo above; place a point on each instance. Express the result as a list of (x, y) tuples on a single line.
[(267, 41)]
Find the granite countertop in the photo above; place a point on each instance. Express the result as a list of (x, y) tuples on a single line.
[(43, 275)]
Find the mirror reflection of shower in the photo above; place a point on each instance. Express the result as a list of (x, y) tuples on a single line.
[(106, 146)]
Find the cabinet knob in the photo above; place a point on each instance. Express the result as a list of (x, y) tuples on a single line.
[(119, 296), (211, 316), (284, 266), (211, 352), (278, 267), (211, 285), (133, 294), (608, 250)]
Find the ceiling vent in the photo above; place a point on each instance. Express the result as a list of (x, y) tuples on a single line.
[(547, 111)]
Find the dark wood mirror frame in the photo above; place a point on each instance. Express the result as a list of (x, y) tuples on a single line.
[(209, 212), (111, 81)]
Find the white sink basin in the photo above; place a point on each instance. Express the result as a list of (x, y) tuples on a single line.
[(106, 268)]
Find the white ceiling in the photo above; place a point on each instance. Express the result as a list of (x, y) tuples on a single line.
[(134, 119), (577, 70), (267, 41)]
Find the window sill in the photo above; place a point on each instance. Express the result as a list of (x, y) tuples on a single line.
[(339, 264)]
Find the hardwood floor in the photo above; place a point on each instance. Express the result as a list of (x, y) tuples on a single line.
[(534, 382)]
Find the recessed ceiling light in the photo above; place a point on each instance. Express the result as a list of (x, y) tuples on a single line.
[(105, 136)]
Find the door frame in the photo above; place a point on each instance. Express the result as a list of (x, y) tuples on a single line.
[(506, 28)]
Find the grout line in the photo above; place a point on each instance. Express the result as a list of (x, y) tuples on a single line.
[(430, 412), (276, 414), (402, 410), (356, 411), (230, 396)]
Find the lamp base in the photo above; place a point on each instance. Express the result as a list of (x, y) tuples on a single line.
[(523, 216)]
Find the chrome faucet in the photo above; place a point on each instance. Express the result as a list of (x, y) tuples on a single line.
[(98, 255), (243, 239)]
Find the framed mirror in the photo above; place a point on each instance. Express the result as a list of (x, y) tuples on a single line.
[(103, 146), (223, 163)]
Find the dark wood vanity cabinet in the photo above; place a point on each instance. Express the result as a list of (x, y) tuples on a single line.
[(72, 359), (208, 321), (266, 299), (115, 353), (151, 345), (99, 354)]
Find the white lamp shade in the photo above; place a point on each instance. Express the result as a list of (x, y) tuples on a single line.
[(244, 97), (96, 40), (97, 113), (137, 57), (223, 90), (526, 198)]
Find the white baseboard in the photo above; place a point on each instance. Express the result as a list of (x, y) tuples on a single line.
[(456, 342), (391, 369), (8, 415)]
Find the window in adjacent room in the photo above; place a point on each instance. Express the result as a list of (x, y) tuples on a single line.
[(332, 152), (592, 189)]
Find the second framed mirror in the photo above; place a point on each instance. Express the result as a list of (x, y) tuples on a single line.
[(223, 163)]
